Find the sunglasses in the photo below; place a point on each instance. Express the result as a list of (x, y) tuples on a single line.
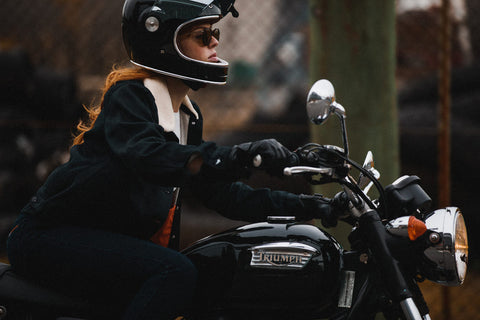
[(205, 35)]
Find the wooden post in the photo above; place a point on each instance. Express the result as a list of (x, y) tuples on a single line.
[(444, 143), (352, 44)]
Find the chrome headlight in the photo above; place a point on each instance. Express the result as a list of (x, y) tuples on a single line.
[(448, 254)]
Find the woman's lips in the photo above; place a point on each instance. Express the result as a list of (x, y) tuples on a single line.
[(213, 58)]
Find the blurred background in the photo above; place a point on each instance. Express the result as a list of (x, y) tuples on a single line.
[(54, 55)]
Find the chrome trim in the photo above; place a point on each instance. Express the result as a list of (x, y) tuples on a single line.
[(205, 2), (410, 309), (398, 226), (281, 218), (152, 24), (282, 255), (346, 289), (396, 182), (443, 253)]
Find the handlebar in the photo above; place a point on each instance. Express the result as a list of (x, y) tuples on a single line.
[(334, 165)]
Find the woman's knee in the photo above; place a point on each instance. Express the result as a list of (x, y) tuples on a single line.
[(185, 273), (173, 269)]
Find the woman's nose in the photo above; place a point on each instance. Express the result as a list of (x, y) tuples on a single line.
[(213, 42)]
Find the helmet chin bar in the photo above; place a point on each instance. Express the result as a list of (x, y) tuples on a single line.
[(216, 75), (194, 85)]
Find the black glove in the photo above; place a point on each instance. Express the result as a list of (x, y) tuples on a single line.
[(328, 210), (318, 207), (275, 157), (340, 204)]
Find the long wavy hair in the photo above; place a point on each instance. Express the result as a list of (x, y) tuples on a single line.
[(117, 74)]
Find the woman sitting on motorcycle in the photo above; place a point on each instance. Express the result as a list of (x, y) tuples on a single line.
[(104, 225)]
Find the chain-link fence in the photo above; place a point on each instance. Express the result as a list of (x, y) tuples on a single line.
[(84, 38), (54, 55)]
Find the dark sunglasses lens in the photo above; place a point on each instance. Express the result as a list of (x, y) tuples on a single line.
[(216, 33), (208, 34), (206, 37)]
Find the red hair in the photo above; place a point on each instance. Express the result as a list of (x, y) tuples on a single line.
[(116, 75)]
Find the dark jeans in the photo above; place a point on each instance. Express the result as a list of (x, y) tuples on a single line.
[(142, 279)]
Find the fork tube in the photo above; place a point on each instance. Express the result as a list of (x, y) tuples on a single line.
[(410, 310), (389, 268)]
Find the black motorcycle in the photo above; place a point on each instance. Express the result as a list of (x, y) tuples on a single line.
[(287, 269)]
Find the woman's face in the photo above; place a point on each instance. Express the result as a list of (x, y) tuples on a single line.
[(190, 44)]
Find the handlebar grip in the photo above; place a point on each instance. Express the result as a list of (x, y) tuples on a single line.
[(257, 161)]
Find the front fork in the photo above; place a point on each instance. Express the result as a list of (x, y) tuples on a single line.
[(376, 236)]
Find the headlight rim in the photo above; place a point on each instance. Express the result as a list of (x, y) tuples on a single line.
[(449, 270)]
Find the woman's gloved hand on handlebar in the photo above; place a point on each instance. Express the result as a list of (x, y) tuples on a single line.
[(274, 157), (328, 210)]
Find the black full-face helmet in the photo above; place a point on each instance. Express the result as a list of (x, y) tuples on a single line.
[(150, 29)]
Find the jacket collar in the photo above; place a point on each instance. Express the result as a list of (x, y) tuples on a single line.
[(166, 116)]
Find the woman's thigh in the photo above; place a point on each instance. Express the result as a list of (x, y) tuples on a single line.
[(94, 263)]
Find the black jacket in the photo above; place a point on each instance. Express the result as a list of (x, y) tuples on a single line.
[(122, 177)]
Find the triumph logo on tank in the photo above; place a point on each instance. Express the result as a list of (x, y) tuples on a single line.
[(280, 259), (282, 255)]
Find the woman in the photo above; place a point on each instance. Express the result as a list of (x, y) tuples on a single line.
[(104, 224)]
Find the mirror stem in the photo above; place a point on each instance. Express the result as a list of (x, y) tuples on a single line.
[(344, 134)]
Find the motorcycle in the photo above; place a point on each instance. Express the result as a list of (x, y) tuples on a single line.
[(288, 269)]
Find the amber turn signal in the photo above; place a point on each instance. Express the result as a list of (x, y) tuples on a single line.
[(416, 228)]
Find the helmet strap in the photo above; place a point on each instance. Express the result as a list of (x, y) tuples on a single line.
[(194, 85)]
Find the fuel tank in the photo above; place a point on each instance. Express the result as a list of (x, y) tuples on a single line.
[(278, 268)]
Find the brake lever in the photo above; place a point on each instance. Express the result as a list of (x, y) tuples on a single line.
[(289, 171), (257, 162)]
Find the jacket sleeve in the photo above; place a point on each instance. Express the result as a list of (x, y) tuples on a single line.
[(133, 134), (238, 201)]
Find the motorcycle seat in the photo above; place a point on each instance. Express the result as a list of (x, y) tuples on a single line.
[(15, 289)]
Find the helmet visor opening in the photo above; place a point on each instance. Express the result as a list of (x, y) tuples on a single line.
[(201, 32)]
